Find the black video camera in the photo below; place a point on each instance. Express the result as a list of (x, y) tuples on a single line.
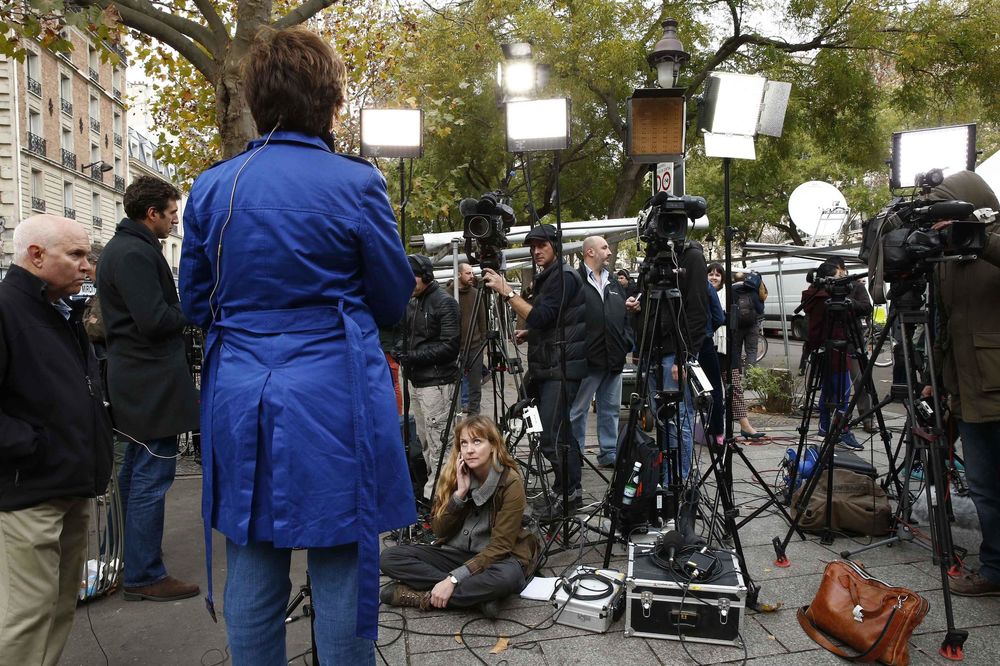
[(909, 243), (487, 221), (667, 218)]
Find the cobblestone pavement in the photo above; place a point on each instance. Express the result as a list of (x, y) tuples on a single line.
[(182, 633)]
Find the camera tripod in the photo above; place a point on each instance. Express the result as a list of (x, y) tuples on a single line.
[(828, 374), (924, 432)]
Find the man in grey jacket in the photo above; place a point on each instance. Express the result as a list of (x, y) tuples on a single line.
[(152, 394)]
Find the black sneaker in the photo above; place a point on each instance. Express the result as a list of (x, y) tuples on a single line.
[(554, 511)]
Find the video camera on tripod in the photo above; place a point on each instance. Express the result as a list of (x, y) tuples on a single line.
[(487, 221), (903, 243), (663, 226)]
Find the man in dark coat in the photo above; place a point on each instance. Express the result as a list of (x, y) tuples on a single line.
[(609, 339), (55, 439), (969, 351), (472, 333), (430, 361), (557, 358), (151, 391)]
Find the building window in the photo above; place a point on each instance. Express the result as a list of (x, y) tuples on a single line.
[(117, 126), (68, 208), (94, 60), (35, 122), (66, 95), (68, 155), (34, 68), (37, 190), (95, 114), (119, 211), (116, 87), (95, 210)]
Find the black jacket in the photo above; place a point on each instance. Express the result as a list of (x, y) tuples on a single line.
[(694, 314), (55, 435), (543, 351), (432, 343), (609, 336), (149, 383)]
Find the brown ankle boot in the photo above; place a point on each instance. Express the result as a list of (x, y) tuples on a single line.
[(398, 594)]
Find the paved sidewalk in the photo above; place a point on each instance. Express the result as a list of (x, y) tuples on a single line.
[(182, 632)]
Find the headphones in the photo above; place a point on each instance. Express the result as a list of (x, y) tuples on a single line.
[(422, 267)]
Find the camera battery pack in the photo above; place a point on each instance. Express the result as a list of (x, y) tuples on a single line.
[(597, 599), (659, 605)]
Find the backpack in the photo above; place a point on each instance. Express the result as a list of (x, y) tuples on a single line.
[(746, 312)]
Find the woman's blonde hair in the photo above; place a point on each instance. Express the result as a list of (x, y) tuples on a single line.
[(474, 426)]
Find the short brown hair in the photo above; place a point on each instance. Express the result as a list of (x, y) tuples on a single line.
[(147, 192), (294, 80)]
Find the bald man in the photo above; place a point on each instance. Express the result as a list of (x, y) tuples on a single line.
[(609, 339), (55, 439)]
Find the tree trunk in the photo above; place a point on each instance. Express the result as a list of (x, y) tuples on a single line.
[(626, 187), (232, 115)]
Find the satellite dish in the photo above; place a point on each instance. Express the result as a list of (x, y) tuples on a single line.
[(818, 208)]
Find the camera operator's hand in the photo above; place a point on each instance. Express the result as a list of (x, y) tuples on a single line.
[(943, 224), (632, 304), (495, 281), (520, 336), (674, 373), (927, 391)]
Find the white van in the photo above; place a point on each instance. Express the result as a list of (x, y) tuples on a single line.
[(785, 300)]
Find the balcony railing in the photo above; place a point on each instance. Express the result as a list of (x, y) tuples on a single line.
[(95, 124), (117, 94), (36, 144), (68, 159), (70, 213), (120, 183), (94, 76), (66, 106), (38, 204), (98, 222), (34, 86), (118, 139), (96, 173)]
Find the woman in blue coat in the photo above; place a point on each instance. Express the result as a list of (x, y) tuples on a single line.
[(291, 262)]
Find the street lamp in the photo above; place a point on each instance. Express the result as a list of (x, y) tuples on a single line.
[(104, 166), (668, 55)]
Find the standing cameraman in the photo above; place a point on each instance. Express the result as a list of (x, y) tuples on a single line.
[(429, 360), (557, 343), (969, 348), (691, 324)]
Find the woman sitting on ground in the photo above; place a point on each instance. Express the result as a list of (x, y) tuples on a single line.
[(482, 554)]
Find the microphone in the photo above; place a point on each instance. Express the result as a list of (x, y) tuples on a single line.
[(468, 206), (659, 199), (671, 542)]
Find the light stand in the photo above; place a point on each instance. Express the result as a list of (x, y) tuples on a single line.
[(396, 133), (537, 125), (736, 107)]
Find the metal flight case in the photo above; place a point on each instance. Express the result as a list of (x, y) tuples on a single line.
[(661, 604)]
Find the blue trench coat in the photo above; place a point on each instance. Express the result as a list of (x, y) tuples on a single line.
[(300, 434)]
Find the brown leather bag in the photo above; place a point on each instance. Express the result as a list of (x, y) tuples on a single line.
[(874, 618)]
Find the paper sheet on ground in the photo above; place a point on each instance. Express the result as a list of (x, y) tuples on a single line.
[(539, 589)]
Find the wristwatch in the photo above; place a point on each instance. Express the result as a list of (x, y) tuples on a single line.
[(510, 296), (454, 581)]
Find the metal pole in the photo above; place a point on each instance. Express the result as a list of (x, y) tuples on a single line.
[(454, 266), (402, 203), (781, 309), (730, 298)]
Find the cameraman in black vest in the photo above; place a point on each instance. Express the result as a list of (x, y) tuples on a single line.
[(557, 344)]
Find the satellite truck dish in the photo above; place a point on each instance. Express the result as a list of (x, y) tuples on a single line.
[(817, 208)]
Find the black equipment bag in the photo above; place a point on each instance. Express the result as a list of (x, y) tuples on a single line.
[(642, 449)]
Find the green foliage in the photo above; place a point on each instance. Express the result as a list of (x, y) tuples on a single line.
[(774, 385)]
